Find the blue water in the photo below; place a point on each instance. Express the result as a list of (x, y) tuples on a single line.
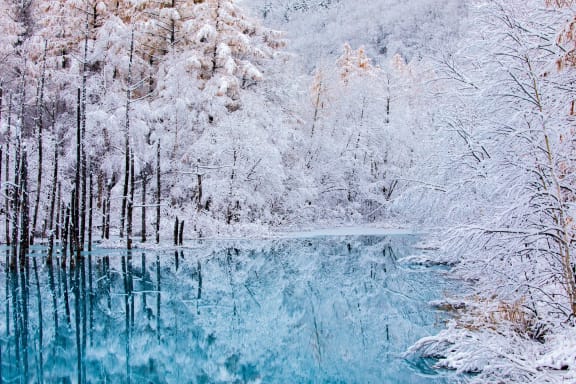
[(319, 310)]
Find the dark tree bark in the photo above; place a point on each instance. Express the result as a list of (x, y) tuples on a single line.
[(144, 185), (16, 205), (39, 126), (130, 204), (53, 191), (24, 212), (59, 212), (127, 138), (77, 181), (8, 189), (158, 193), (199, 205), (90, 209), (176, 227)]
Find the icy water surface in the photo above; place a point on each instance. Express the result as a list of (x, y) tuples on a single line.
[(320, 310)]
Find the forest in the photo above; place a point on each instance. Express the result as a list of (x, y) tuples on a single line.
[(143, 122)]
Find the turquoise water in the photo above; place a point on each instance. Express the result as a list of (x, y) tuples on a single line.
[(319, 310)]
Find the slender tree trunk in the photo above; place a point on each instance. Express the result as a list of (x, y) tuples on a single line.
[(59, 210), (158, 193), (53, 191), (199, 205), (81, 188), (77, 181), (39, 125), (24, 212), (317, 106), (130, 204), (90, 209), (127, 138), (181, 234), (215, 51), (8, 188), (16, 206), (23, 254), (176, 227), (108, 204), (144, 184)]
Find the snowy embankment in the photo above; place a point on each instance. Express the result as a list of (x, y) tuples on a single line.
[(497, 354), (488, 340)]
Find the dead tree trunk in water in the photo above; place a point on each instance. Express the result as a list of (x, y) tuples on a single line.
[(127, 138), (130, 204), (59, 215), (158, 192), (39, 125), (106, 207), (176, 231), (76, 195), (8, 189), (90, 209), (24, 213), (53, 191), (15, 195), (144, 185)]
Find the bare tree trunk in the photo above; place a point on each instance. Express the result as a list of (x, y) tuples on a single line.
[(39, 126), (158, 193), (15, 206), (76, 196), (127, 138), (144, 184), (130, 204), (53, 191), (176, 231), (24, 212), (8, 189), (59, 215), (199, 205), (215, 51), (23, 255), (81, 187), (90, 209), (107, 204)]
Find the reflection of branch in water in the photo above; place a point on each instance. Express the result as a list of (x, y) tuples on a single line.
[(316, 341), (252, 295)]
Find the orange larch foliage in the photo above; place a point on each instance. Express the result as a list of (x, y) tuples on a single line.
[(354, 62), (567, 40)]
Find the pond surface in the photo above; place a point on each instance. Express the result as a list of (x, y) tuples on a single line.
[(320, 310)]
